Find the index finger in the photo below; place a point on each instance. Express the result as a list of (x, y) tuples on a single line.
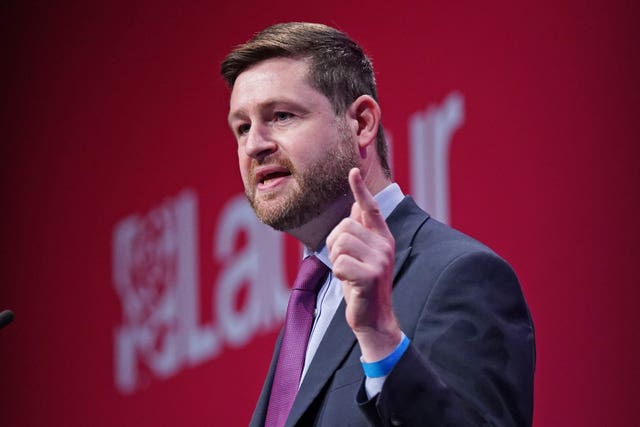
[(368, 207)]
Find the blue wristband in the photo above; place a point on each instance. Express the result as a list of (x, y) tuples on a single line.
[(384, 366)]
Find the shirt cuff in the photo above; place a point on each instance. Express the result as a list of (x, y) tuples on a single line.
[(373, 386), (382, 367)]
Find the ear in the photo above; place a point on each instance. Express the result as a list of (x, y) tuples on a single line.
[(365, 113)]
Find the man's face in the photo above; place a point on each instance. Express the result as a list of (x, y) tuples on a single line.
[(294, 152)]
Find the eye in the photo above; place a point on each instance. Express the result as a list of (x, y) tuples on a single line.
[(243, 129), (281, 116)]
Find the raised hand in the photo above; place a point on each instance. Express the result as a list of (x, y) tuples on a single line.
[(361, 249)]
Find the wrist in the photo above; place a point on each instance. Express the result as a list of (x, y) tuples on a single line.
[(377, 344), (383, 367)]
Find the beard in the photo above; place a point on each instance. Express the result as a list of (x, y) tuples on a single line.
[(318, 186)]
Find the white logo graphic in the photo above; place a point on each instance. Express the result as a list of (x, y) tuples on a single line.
[(430, 135), (155, 272)]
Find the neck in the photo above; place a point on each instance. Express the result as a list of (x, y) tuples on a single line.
[(313, 233), (374, 177)]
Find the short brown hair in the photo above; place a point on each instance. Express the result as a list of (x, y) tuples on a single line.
[(338, 68)]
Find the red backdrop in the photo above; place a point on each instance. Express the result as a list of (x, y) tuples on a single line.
[(110, 110)]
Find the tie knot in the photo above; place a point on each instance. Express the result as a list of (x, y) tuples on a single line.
[(311, 273)]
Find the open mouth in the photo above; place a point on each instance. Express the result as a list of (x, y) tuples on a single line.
[(268, 177), (271, 177)]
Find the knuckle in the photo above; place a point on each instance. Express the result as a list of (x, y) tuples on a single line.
[(341, 244)]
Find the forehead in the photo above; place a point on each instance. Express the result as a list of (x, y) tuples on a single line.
[(269, 80), (290, 67)]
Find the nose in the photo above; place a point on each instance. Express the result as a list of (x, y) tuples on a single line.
[(259, 143)]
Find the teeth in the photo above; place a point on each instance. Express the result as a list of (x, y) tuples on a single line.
[(269, 179)]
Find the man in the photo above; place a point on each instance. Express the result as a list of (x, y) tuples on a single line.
[(415, 323)]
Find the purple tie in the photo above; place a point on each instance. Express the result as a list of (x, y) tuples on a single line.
[(297, 327)]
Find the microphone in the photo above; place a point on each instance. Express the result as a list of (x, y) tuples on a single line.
[(5, 318)]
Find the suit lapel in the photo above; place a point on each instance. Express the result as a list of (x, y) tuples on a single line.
[(339, 340), (404, 222)]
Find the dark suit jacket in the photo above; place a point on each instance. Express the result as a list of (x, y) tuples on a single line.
[(472, 355)]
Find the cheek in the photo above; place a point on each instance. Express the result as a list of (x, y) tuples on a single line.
[(315, 151), (305, 154), (244, 164)]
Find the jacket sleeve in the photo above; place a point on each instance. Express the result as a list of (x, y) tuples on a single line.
[(472, 356)]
